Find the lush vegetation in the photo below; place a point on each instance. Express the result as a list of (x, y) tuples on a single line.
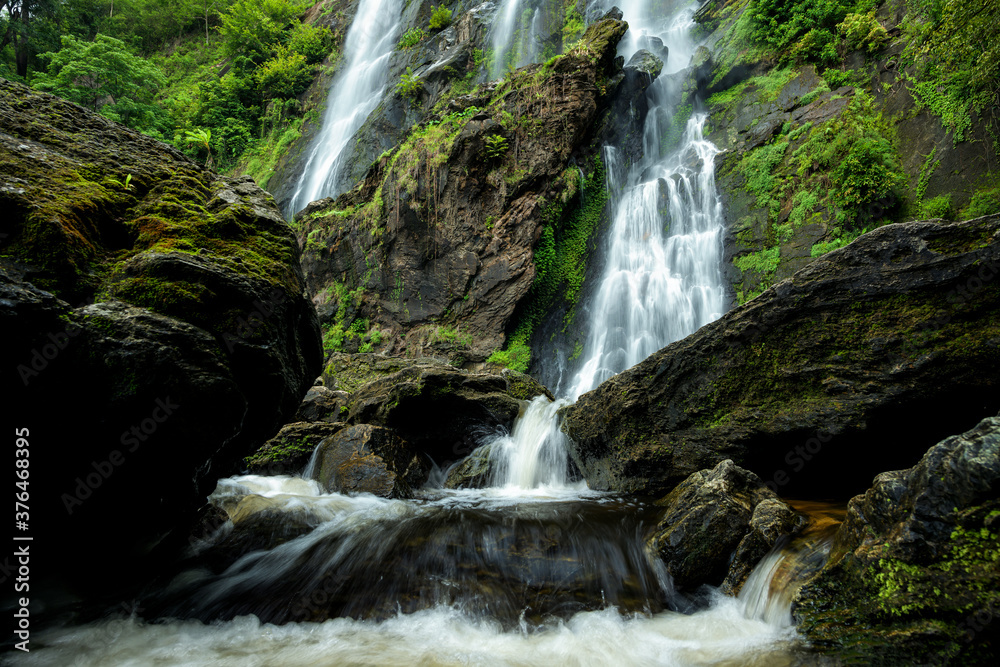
[(226, 72)]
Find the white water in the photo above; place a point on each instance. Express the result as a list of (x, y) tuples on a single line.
[(354, 94), (662, 278), (513, 39), (442, 634)]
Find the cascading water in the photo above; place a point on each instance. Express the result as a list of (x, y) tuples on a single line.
[(535, 569), (515, 38), (354, 94)]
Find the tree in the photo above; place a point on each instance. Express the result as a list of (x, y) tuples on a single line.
[(17, 20), (105, 76)]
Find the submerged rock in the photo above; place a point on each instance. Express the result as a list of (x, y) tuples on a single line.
[(709, 517), (369, 459), (168, 299), (892, 339), (915, 567)]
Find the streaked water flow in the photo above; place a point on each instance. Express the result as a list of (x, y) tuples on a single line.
[(354, 94)]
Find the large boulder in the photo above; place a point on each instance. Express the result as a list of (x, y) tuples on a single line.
[(707, 517), (369, 459), (440, 410), (155, 317), (915, 567), (856, 364)]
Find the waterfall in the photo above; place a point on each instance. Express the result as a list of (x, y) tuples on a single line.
[(355, 92), (663, 277), (516, 34)]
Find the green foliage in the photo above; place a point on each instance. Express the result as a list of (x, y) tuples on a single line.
[(956, 55), (839, 240), (759, 166), (312, 43), (440, 18), (409, 85), (496, 146), (816, 46), (938, 207), (863, 32), (251, 29), (985, 201), (411, 38), (105, 76), (763, 262), (573, 27), (781, 24), (283, 76)]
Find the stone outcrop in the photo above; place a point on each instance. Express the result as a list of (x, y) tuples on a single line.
[(712, 516), (442, 412), (437, 242), (164, 301), (369, 459), (892, 339), (914, 568)]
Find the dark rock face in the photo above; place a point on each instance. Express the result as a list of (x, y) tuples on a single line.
[(440, 410), (166, 298), (369, 459), (915, 567), (322, 405), (439, 235), (707, 517), (895, 337)]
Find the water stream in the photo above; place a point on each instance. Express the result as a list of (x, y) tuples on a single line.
[(536, 569), (355, 92)]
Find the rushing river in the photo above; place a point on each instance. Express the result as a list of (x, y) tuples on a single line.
[(536, 569)]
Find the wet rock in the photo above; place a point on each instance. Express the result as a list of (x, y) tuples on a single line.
[(438, 409), (369, 459), (171, 296), (322, 405), (645, 64), (472, 472), (706, 518), (290, 450), (772, 520), (914, 565), (890, 339)]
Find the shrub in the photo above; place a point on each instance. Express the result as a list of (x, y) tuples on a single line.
[(496, 146), (284, 76), (863, 32), (440, 18), (939, 207), (409, 85), (411, 38)]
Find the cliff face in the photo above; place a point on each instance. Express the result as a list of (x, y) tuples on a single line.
[(821, 148), (854, 365), (446, 234), (156, 323)]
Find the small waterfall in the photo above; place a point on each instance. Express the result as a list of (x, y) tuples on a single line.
[(502, 34), (534, 454), (354, 94)]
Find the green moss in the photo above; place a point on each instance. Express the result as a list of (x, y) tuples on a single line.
[(560, 261)]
